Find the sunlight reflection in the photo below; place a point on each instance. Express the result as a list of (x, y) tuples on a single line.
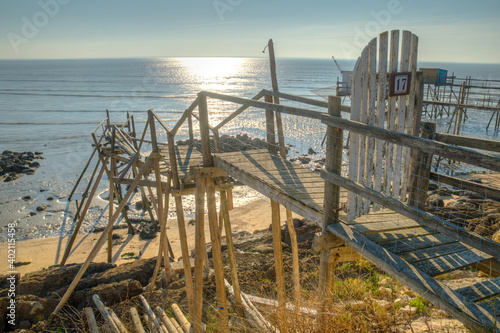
[(213, 73)]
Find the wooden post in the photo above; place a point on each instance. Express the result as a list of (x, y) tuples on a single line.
[(165, 320), (151, 313), (105, 314), (274, 82), (270, 134), (136, 320), (181, 223), (186, 326), (89, 314), (224, 211), (82, 216), (278, 255), (333, 163), (101, 239), (117, 321), (110, 196), (190, 125), (200, 252), (282, 150), (212, 213), (421, 169)]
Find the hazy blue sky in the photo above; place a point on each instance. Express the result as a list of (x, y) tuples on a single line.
[(459, 31)]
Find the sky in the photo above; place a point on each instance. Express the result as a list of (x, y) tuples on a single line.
[(449, 31)]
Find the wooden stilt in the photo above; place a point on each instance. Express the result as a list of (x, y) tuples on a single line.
[(110, 202), (217, 255), (181, 223), (295, 256), (200, 252), (85, 193), (166, 245), (278, 256), (82, 216), (101, 239), (186, 326), (224, 211), (162, 220)]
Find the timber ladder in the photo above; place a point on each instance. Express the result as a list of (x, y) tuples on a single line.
[(375, 210)]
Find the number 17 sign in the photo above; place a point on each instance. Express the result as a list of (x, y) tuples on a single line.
[(399, 84)]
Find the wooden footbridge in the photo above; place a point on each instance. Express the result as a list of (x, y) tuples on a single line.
[(376, 211)]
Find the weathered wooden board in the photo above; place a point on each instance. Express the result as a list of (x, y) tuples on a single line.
[(451, 262), (481, 290), (433, 252), (405, 233)]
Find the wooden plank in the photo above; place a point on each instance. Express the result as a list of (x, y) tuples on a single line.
[(391, 115), (442, 296), (401, 118), (417, 243), (371, 116), (482, 290), (412, 123), (443, 226), (273, 193), (389, 236), (377, 227), (381, 99), (492, 306), (460, 154), (464, 141), (354, 138), (433, 252), (451, 262), (363, 119)]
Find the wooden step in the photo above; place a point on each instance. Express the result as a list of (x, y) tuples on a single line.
[(481, 290)]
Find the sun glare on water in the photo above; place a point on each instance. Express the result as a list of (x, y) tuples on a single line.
[(214, 73)]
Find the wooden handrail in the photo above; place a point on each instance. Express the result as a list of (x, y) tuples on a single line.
[(160, 121), (307, 113), (456, 153), (184, 116), (464, 141), (239, 110), (305, 100)]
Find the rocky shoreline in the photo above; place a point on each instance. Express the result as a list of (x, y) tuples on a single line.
[(14, 165)]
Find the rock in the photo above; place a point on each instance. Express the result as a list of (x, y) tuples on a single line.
[(382, 303), (43, 283), (32, 213), (386, 282), (26, 197), (50, 198), (434, 201), (358, 305), (441, 314), (110, 293), (311, 151), (408, 311), (385, 292), (41, 208), (304, 159)]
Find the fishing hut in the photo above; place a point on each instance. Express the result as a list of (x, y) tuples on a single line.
[(368, 199)]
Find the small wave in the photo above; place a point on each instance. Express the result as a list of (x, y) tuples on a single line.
[(99, 96), (50, 123)]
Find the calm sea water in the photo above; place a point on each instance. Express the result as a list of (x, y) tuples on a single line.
[(53, 105)]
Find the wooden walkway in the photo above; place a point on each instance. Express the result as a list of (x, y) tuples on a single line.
[(428, 252)]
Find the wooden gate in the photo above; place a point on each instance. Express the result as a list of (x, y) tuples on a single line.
[(385, 93)]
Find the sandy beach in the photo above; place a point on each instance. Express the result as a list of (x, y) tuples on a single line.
[(45, 252)]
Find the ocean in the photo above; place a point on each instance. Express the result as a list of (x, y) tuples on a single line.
[(52, 106)]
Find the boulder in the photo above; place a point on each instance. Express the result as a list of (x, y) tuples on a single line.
[(434, 201)]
